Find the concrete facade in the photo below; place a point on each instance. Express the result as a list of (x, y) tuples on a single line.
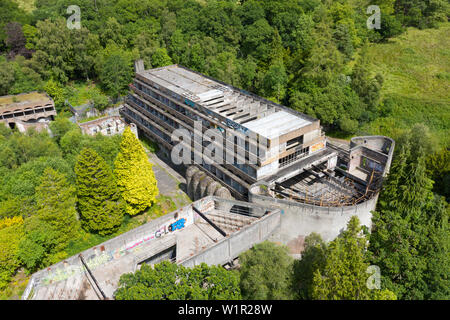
[(301, 218), (182, 237), (107, 126), (27, 109), (165, 100)]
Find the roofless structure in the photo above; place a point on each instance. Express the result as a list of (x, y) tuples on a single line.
[(26, 109)]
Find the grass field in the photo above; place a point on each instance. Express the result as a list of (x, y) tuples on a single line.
[(416, 70)]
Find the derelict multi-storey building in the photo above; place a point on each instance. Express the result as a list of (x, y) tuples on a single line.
[(267, 139)]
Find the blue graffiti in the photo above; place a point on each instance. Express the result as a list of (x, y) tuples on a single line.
[(178, 225)]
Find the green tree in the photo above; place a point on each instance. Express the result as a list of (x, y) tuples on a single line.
[(55, 200), (167, 281), (438, 168), (101, 209), (313, 258), (266, 272), (257, 38), (6, 76), (134, 175), (410, 238), (63, 53), (344, 276), (60, 127), (10, 236), (56, 91), (160, 58)]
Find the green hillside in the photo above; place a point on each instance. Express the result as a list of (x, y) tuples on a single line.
[(416, 71)]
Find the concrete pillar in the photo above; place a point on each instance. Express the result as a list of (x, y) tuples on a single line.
[(204, 185), (212, 188), (194, 183), (190, 171)]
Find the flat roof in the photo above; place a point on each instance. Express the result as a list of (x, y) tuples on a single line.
[(238, 106), (22, 99), (276, 124)]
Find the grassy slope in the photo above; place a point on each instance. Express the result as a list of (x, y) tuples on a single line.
[(416, 69)]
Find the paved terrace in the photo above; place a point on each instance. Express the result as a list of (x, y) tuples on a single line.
[(183, 237)]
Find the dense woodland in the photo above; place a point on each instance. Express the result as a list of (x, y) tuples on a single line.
[(311, 55)]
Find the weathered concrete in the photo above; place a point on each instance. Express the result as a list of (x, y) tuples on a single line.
[(30, 108), (299, 220), (182, 231)]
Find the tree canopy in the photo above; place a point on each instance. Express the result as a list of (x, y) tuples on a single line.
[(168, 281), (135, 176), (99, 203)]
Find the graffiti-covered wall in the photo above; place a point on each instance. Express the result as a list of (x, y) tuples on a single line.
[(127, 243)]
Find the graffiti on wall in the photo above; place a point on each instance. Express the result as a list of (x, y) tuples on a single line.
[(97, 260)]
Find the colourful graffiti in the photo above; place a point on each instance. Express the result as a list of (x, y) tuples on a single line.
[(94, 262), (178, 225)]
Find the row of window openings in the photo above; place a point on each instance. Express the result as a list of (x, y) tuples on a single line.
[(293, 157), (183, 111), (205, 123), (220, 175)]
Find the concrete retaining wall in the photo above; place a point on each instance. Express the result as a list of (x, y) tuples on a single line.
[(299, 220), (229, 248), (112, 249), (200, 185)]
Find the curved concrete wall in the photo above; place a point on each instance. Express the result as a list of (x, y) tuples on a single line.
[(190, 172), (298, 220)]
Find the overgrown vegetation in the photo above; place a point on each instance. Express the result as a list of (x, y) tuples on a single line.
[(315, 56), (58, 195)]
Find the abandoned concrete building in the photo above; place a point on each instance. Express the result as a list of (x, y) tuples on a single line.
[(169, 98), (26, 110), (107, 126), (211, 230), (301, 182), (318, 183)]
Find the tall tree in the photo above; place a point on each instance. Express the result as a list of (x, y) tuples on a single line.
[(63, 53), (115, 69), (344, 274), (135, 176), (266, 272), (99, 202), (56, 205), (410, 238), (313, 258), (16, 41), (6, 76)]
